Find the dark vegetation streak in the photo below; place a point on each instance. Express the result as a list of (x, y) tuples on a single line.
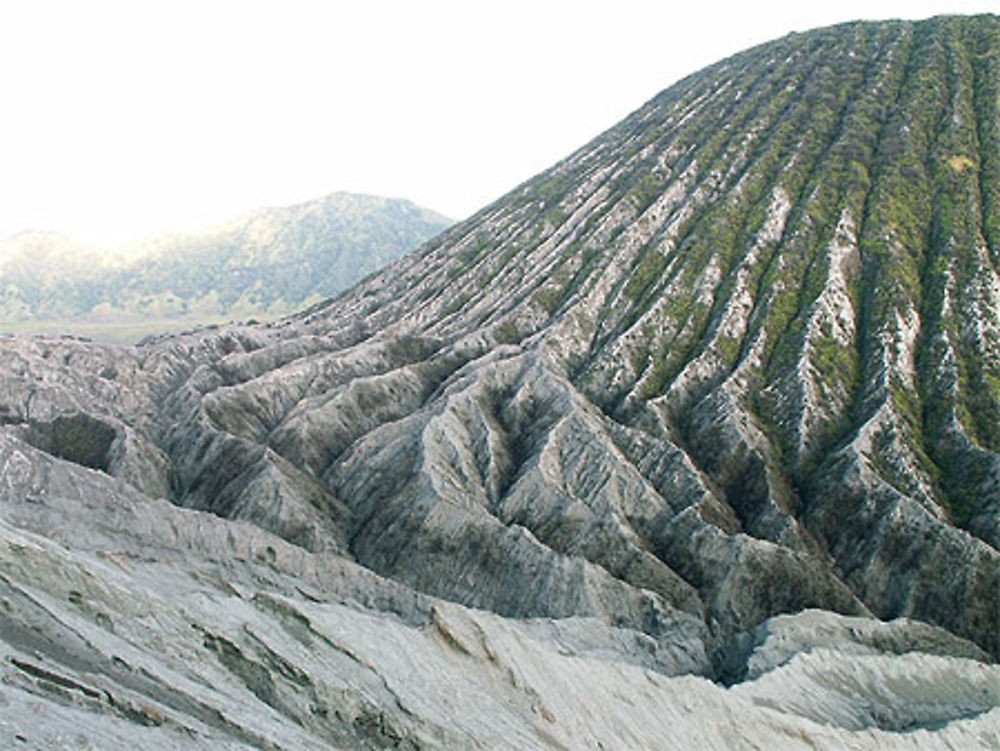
[(871, 242), (711, 158)]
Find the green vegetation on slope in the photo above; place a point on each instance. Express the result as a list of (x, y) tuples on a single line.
[(817, 219), (269, 263)]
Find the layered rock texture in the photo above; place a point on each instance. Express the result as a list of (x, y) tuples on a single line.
[(690, 441)]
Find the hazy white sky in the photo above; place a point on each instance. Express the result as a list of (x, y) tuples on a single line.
[(120, 118)]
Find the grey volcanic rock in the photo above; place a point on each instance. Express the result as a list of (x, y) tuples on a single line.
[(685, 408), (127, 620), (776, 641)]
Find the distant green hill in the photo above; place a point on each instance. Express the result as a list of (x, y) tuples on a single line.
[(268, 263)]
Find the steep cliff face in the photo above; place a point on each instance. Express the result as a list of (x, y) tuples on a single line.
[(734, 359)]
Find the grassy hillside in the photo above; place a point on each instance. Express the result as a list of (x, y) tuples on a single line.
[(266, 264)]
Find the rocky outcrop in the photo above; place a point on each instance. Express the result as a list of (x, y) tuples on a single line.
[(127, 620)]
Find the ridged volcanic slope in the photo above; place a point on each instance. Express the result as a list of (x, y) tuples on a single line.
[(738, 356), (785, 266)]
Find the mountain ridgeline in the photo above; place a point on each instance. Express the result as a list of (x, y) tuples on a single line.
[(735, 359), (270, 262)]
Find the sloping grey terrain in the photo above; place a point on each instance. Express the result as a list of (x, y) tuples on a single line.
[(686, 442)]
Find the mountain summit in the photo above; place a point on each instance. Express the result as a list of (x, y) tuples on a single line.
[(761, 313), (717, 395)]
